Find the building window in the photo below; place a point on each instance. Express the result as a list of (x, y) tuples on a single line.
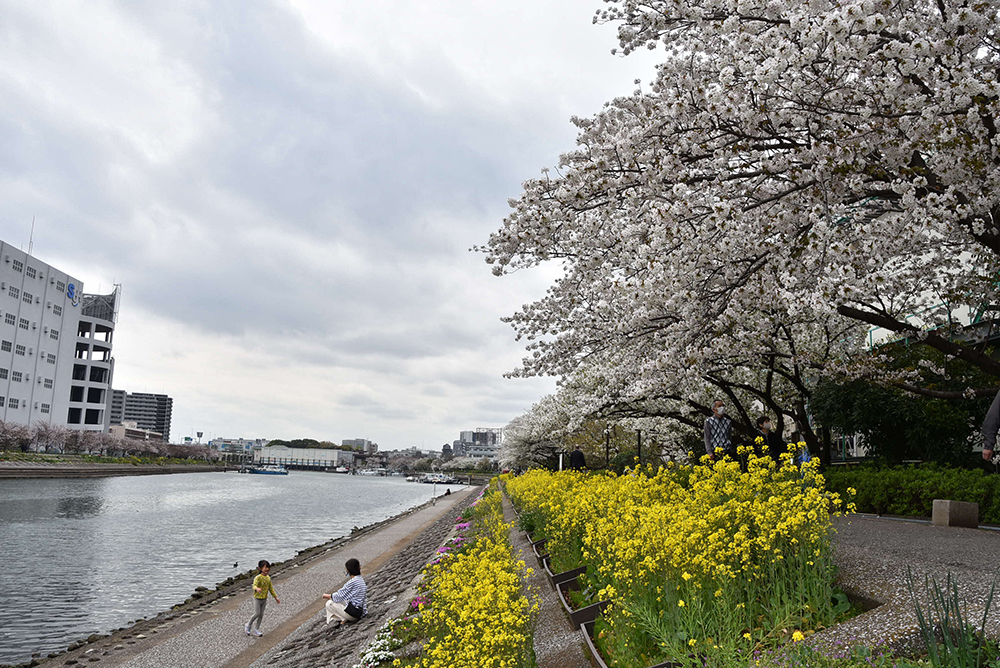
[(48, 383), (13, 403), (54, 334), (22, 323), (6, 346), (13, 292), (60, 286), (57, 310), (15, 376), (45, 408), (3, 374), (27, 298), (18, 265), (50, 358), (20, 350), (30, 271), (10, 319)]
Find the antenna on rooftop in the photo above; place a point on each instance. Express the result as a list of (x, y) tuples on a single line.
[(31, 235)]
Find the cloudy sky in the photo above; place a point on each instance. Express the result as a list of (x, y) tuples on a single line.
[(287, 192)]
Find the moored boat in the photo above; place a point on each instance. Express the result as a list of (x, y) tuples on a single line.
[(269, 469)]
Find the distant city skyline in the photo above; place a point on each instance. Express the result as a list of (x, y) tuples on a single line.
[(287, 194)]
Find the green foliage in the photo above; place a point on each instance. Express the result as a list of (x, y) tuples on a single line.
[(902, 425), (911, 489), (961, 645), (302, 443), (898, 425)]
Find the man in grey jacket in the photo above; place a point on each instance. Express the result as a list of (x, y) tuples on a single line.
[(990, 427), (719, 432)]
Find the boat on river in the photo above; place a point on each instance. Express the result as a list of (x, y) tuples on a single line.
[(269, 469)]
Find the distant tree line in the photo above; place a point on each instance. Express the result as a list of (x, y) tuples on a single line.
[(42, 437), (313, 443)]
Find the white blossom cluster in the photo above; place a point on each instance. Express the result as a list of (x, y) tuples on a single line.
[(799, 171), (380, 649)]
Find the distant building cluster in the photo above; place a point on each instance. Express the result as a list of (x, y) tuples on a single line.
[(56, 365), (360, 444), (482, 442), (149, 411)]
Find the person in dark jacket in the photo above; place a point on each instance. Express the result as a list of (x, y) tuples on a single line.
[(773, 445), (990, 427), (576, 460)]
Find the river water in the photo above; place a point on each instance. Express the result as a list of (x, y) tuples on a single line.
[(79, 557)]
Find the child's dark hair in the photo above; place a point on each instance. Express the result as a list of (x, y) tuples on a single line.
[(263, 562), (353, 566)]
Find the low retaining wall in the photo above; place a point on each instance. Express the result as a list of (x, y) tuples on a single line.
[(32, 470)]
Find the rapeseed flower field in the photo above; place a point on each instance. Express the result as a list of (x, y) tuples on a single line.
[(475, 610), (704, 565)]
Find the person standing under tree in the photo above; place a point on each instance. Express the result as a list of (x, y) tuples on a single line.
[(772, 442), (719, 432)]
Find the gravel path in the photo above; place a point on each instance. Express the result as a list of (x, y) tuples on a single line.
[(872, 556)]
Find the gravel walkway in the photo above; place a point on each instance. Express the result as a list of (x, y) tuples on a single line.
[(557, 643), (872, 556)]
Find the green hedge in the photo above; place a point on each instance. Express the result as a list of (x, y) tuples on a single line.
[(911, 490)]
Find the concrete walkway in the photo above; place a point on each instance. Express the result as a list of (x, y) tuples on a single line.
[(214, 637)]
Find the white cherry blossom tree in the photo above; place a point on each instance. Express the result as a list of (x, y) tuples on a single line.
[(794, 168)]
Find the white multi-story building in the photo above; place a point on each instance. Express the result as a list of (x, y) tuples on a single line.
[(303, 457), (55, 345), (242, 445)]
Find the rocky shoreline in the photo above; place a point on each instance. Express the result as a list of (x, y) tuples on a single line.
[(89, 650)]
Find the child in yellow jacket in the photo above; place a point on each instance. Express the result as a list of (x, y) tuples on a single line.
[(261, 587)]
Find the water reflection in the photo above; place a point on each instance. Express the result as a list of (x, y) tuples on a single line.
[(79, 507), (89, 556)]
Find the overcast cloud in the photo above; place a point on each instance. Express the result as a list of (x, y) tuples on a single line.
[(287, 192)]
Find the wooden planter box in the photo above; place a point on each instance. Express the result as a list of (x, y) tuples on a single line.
[(583, 615), (587, 629), (557, 578)]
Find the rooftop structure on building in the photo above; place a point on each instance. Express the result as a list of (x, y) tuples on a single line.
[(55, 345)]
